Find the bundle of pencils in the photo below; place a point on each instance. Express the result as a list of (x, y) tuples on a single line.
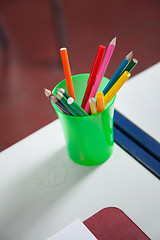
[(65, 103), (93, 102)]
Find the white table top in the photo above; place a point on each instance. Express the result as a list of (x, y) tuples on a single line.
[(42, 190)]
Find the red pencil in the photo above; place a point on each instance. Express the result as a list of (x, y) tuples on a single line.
[(93, 73)]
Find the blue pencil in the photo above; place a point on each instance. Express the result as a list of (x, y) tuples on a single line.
[(116, 75)]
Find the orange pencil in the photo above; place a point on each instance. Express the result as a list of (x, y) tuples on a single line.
[(67, 72), (100, 102)]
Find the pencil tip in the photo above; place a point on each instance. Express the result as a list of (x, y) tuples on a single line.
[(59, 94), (131, 52), (113, 42), (129, 56), (47, 92), (61, 90)]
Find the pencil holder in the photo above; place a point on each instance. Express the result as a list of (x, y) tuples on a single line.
[(90, 138)]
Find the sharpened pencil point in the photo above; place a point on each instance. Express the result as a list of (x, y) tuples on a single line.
[(129, 56), (61, 90), (47, 92), (113, 42), (59, 95)]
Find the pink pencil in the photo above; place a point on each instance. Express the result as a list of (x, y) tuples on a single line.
[(101, 73)]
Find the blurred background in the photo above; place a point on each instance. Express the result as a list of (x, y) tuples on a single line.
[(31, 33)]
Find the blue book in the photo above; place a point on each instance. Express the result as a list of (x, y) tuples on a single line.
[(137, 143)]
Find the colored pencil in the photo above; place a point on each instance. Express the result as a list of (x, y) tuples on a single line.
[(110, 94), (67, 71), (76, 107), (100, 102), (61, 90), (92, 103), (55, 101), (118, 72), (130, 66), (101, 72), (93, 73), (63, 100)]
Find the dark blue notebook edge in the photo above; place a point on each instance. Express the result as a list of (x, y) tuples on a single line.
[(125, 137), (144, 140)]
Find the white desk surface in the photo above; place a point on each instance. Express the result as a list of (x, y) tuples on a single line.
[(42, 190)]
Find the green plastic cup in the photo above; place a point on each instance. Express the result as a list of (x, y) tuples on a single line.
[(89, 139)]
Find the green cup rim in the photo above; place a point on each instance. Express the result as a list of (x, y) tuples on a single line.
[(93, 115)]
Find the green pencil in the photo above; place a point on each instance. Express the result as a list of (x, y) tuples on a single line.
[(76, 107), (61, 90), (130, 66), (63, 100)]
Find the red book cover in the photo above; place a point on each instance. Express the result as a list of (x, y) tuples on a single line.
[(113, 224)]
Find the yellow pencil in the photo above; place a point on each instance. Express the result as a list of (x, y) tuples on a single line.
[(100, 102), (92, 103), (110, 94), (67, 72)]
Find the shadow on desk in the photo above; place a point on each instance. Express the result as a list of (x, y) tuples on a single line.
[(39, 190)]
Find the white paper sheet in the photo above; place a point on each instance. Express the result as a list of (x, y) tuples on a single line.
[(75, 231)]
